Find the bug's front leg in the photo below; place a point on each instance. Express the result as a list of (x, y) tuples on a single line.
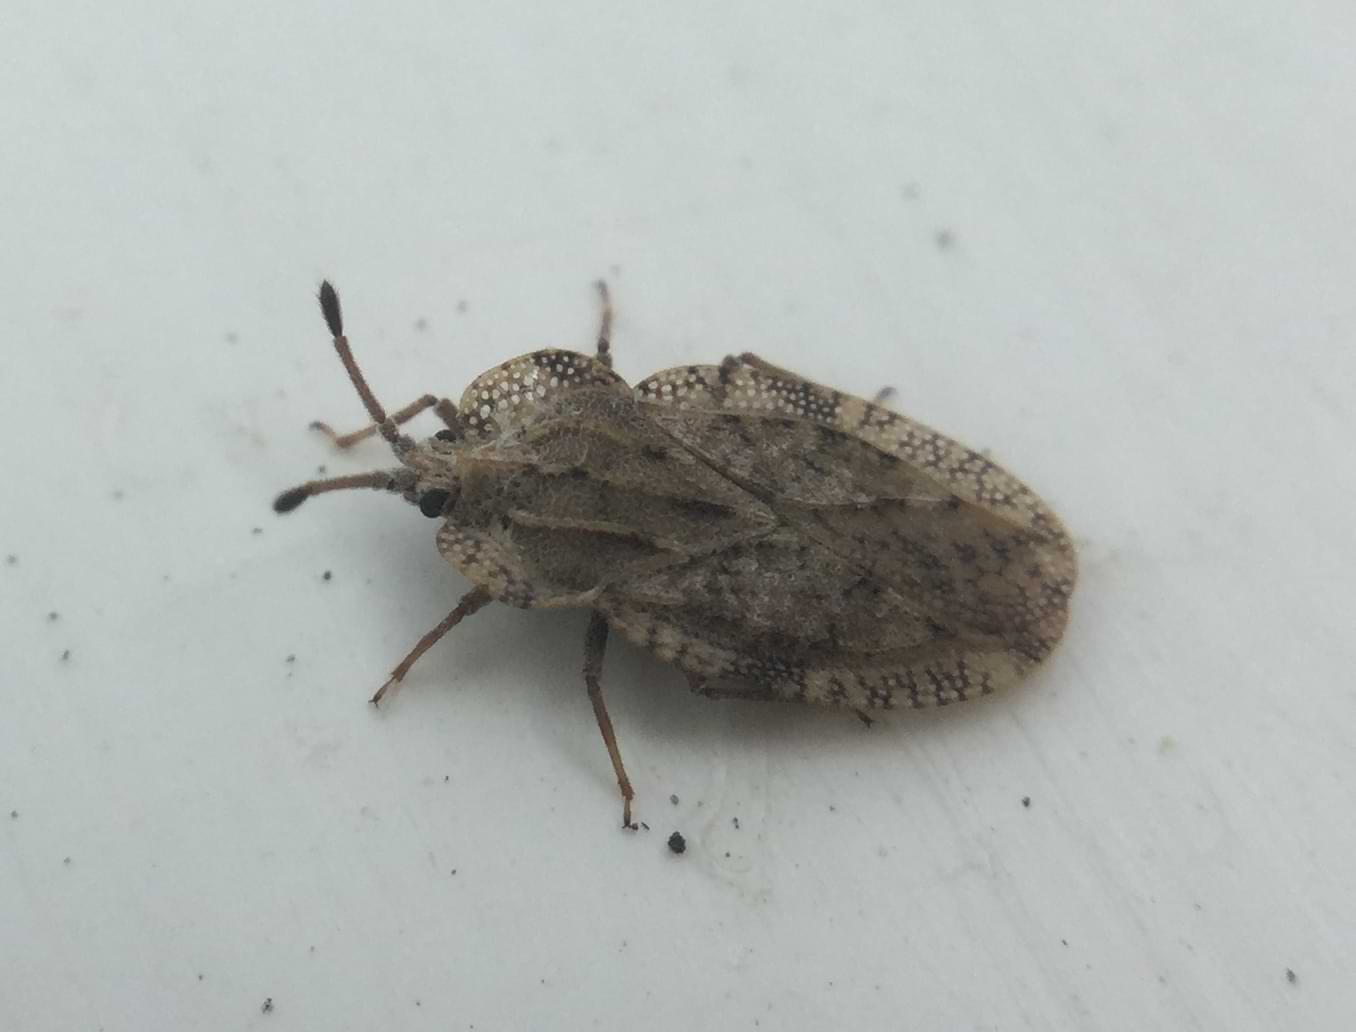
[(603, 351), (473, 600), (595, 643), (442, 407)]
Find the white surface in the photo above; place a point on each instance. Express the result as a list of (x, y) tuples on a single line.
[(1145, 309)]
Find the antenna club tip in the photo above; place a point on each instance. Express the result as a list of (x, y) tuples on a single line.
[(329, 307), (289, 500)]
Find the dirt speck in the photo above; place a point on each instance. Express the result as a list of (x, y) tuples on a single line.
[(673, 799), (1290, 976), (1026, 801), (677, 844), (267, 1006)]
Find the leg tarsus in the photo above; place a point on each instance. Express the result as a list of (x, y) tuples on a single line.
[(604, 346), (883, 396), (473, 600), (595, 643)]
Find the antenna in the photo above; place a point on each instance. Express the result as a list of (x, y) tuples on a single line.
[(334, 319)]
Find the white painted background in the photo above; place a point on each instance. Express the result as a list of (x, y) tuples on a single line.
[(1115, 248)]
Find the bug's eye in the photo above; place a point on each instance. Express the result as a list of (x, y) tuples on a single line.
[(431, 503), (446, 435)]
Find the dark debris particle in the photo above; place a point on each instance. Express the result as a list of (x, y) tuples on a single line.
[(645, 826), (677, 844), (11, 560), (53, 616), (256, 530), (1290, 976), (66, 656), (735, 822), (14, 815), (66, 860), (267, 1006), (673, 799), (1026, 801), (327, 575), (321, 470), (291, 658), (462, 306), (944, 239)]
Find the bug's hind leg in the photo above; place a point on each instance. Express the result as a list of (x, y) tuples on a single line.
[(595, 643), (442, 407), (473, 600), (603, 351)]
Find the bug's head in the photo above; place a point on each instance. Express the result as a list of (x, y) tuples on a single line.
[(427, 474)]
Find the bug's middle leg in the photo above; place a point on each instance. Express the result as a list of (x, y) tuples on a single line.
[(442, 408), (473, 600), (595, 643)]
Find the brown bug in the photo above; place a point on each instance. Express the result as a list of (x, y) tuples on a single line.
[(773, 538)]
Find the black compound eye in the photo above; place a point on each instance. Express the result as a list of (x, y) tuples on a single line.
[(431, 503), (446, 435)]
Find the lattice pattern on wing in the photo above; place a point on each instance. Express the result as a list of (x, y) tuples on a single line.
[(509, 394)]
